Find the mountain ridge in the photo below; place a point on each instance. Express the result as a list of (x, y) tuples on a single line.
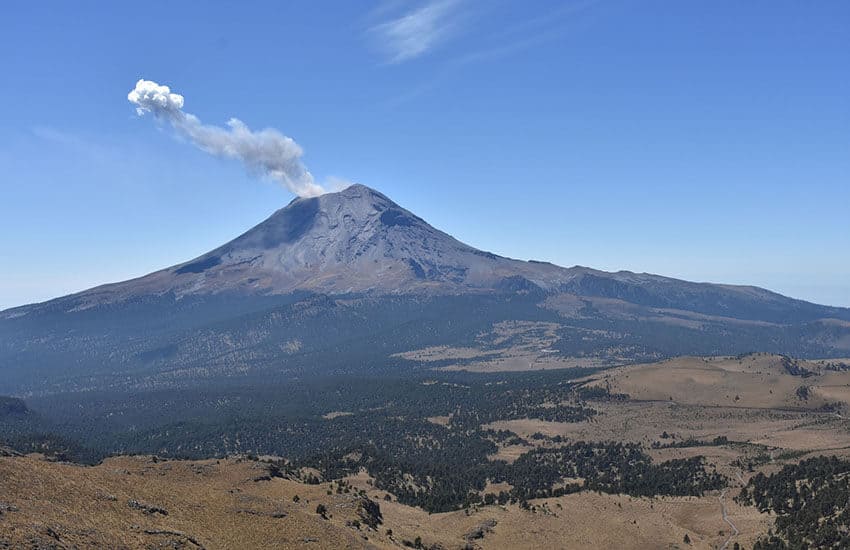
[(345, 282), (358, 241)]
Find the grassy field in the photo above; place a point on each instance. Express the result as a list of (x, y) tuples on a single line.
[(222, 504)]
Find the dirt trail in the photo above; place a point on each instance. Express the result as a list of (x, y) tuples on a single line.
[(724, 513)]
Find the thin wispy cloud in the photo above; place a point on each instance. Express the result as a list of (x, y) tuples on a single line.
[(416, 32), (494, 41), (530, 32)]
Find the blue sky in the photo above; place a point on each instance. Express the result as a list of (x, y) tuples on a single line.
[(703, 140)]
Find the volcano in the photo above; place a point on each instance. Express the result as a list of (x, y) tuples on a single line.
[(357, 258), (353, 241)]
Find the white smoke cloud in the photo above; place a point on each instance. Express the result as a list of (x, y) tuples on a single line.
[(150, 97), (266, 152)]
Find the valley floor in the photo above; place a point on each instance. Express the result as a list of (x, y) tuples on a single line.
[(760, 422)]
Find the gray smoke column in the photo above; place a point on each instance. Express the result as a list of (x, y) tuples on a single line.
[(265, 152)]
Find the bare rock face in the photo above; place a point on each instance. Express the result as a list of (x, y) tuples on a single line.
[(356, 240)]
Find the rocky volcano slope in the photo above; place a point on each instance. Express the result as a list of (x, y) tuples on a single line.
[(359, 241), (346, 280), (353, 241)]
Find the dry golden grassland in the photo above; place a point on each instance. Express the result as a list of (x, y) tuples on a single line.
[(753, 381), (219, 504), (511, 346)]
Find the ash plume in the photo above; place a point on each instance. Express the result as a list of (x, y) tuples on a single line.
[(265, 152)]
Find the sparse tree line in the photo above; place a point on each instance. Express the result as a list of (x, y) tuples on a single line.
[(436, 467), (812, 503)]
